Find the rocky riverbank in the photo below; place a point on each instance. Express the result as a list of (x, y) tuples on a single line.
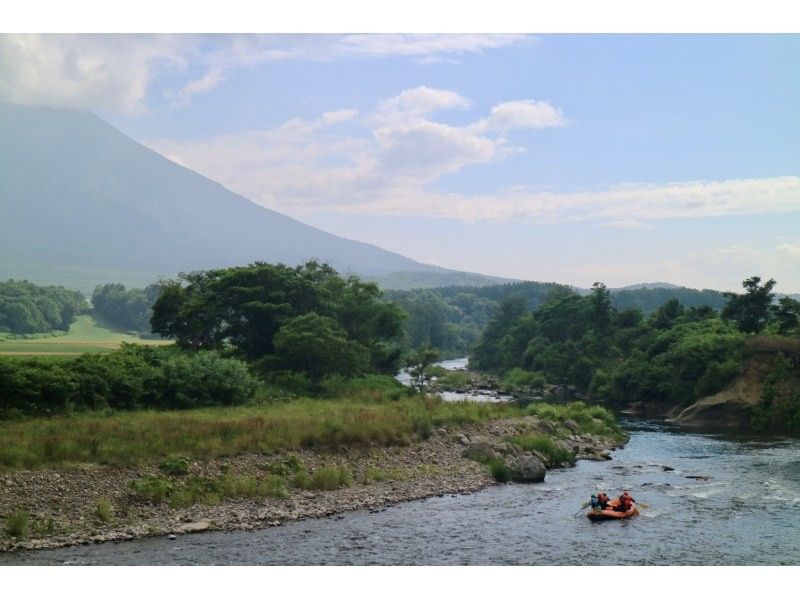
[(93, 504)]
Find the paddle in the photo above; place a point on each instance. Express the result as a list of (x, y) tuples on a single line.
[(586, 504)]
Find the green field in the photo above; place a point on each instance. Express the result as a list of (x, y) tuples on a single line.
[(86, 335)]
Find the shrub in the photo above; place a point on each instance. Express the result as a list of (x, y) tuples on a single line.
[(175, 465), (105, 510), (154, 489), (331, 478), (324, 478), (544, 445), (500, 471), (17, 524), (376, 474)]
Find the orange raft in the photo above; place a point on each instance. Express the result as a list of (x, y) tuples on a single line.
[(610, 513)]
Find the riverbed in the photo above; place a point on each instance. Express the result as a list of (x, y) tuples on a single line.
[(743, 508)]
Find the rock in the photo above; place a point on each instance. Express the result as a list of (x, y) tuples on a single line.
[(667, 468), (197, 526), (172, 536), (463, 440), (441, 431), (572, 426), (527, 469)]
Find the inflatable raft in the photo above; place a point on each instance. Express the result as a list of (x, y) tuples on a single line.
[(611, 514)]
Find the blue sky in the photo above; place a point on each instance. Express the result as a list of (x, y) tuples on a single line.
[(573, 158)]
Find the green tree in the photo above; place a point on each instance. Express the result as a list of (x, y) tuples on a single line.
[(750, 310), (418, 363), (318, 346), (787, 315)]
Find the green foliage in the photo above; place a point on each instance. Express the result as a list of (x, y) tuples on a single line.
[(154, 489), (133, 377), (375, 474), (28, 308), (151, 436), (675, 356), (419, 363), (17, 524), (787, 316), (454, 380), (500, 471), (105, 510), (306, 319), (779, 408), (594, 419), (175, 465), (126, 309), (544, 445), (751, 309), (329, 477), (318, 346), (518, 378)]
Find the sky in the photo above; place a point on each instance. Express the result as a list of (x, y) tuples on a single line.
[(568, 158)]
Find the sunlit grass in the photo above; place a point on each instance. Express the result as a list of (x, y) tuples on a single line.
[(150, 436)]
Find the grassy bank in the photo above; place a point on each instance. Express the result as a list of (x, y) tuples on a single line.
[(149, 437), (88, 334)]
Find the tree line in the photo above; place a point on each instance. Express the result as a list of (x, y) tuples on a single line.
[(27, 308), (675, 355)]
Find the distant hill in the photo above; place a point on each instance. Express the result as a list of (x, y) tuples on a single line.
[(405, 281), (82, 204), (647, 285)]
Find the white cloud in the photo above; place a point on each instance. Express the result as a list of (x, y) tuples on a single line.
[(417, 102), (303, 166), (109, 72), (204, 84), (524, 114), (115, 72)]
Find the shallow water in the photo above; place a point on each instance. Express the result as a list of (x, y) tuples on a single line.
[(747, 513)]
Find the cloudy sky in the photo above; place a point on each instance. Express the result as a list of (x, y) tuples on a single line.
[(567, 158)]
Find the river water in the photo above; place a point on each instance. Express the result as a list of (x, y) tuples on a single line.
[(747, 512)]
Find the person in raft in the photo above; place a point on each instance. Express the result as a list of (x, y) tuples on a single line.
[(625, 502), (602, 498)]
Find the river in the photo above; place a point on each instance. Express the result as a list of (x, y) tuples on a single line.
[(746, 513)]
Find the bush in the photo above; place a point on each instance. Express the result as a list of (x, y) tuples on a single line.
[(499, 470), (175, 465), (154, 489), (324, 478), (518, 378), (544, 445), (17, 524), (133, 377), (105, 510)]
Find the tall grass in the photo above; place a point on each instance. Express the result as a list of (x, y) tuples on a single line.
[(593, 419), (150, 437), (17, 524), (544, 445)]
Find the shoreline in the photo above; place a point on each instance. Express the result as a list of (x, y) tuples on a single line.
[(67, 499)]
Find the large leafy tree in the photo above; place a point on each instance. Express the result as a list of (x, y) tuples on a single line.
[(750, 310), (244, 308)]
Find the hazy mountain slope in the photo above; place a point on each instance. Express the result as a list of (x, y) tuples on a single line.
[(81, 203), (407, 280)]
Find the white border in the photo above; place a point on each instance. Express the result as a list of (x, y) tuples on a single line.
[(406, 16)]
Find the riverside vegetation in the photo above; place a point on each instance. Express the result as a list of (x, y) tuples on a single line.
[(668, 360), (278, 387)]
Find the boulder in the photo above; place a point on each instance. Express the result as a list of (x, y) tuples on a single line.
[(197, 526), (572, 426), (527, 469)]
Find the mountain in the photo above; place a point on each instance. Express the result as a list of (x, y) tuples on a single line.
[(406, 281), (647, 285), (83, 204)]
